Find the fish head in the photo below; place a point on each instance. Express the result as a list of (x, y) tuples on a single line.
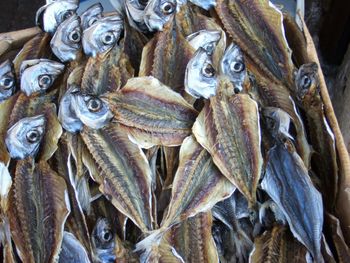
[(24, 137), (66, 42), (66, 114), (232, 65), (103, 240), (206, 39), (103, 35), (200, 76), (91, 110), (38, 75), (307, 81), (91, 15), (51, 15), (7, 80), (135, 10), (158, 13), (277, 121)]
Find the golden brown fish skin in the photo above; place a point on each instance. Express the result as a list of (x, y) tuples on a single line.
[(76, 221), (152, 113), (228, 127), (126, 181), (193, 239), (252, 24), (38, 47), (337, 238), (37, 212), (107, 72), (278, 245), (198, 184), (324, 159), (166, 56)]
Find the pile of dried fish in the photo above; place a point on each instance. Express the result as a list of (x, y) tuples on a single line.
[(169, 131)]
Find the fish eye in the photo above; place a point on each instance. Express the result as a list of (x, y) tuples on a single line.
[(45, 81), (7, 82), (94, 104), (236, 90), (271, 123), (107, 236), (208, 70), (33, 136), (75, 36), (143, 2), (167, 8), (305, 82), (108, 38), (237, 66), (67, 14), (92, 21)]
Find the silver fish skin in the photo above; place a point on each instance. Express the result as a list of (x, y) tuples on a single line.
[(66, 42), (232, 65), (103, 241), (51, 15), (72, 250), (277, 121), (200, 75), (24, 137), (7, 80), (66, 114), (306, 77), (288, 184), (206, 39), (92, 111), (135, 11), (37, 75), (91, 15), (103, 35), (205, 4), (159, 12)]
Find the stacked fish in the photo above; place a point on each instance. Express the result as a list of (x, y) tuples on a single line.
[(168, 131)]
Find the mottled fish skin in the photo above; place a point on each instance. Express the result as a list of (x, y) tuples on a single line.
[(66, 114), (23, 138), (205, 4), (103, 35), (103, 241), (159, 12), (7, 80), (53, 14), (228, 127), (277, 245), (72, 250), (200, 76), (66, 42), (91, 110), (38, 75), (206, 39), (324, 159), (287, 182), (232, 65), (91, 16)]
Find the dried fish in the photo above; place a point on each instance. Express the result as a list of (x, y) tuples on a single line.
[(103, 241), (206, 39), (66, 42), (72, 250), (53, 14), (7, 80), (103, 35), (201, 77), (228, 127), (23, 138), (91, 15), (159, 12), (38, 75), (287, 182)]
